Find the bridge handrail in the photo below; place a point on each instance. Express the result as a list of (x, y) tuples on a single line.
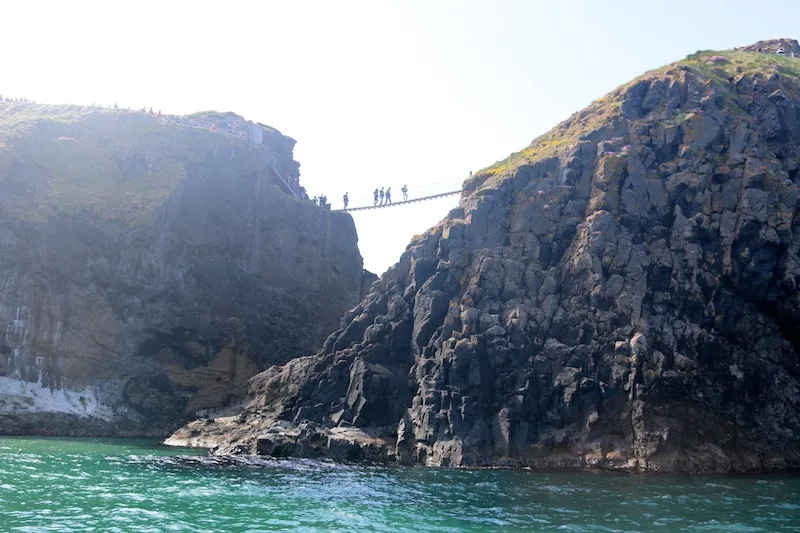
[(285, 177)]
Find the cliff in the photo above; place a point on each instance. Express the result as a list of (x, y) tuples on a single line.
[(149, 267), (621, 294)]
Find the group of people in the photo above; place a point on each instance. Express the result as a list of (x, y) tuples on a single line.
[(384, 196), (16, 100), (322, 201)]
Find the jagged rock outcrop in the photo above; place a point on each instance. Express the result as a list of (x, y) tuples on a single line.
[(789, 47), (621, 294), (149, 268)]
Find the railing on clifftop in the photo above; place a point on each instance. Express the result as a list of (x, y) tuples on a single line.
[(285, 177)]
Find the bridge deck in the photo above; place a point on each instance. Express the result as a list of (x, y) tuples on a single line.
[(395, 204)]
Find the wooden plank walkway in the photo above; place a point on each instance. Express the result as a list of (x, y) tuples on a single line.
[(396, 204)]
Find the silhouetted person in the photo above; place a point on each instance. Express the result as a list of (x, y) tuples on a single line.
[(375, 196), (151, 111), (381, 195), (404, 190), (388, 196), (314, 200), (346, 200)]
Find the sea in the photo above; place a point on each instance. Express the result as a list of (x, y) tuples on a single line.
[(122, 485)]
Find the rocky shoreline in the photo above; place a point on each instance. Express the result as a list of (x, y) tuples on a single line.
[(282, 440)]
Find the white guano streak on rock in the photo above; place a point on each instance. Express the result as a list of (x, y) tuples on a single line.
[(20, 396)]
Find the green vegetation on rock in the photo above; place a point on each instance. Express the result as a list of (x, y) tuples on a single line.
[(117, 164)]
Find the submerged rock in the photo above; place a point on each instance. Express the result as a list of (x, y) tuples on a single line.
[(149, 268), (621, 294)]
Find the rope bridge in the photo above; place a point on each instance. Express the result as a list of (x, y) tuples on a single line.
[(402, 202), (294, 189)]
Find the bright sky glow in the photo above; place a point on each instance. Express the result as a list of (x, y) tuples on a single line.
[(377, 93)]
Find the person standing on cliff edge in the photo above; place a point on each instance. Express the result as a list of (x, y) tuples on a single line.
[(346, 201), (375, 197), (381, 195), (404, 190), (388, 196)]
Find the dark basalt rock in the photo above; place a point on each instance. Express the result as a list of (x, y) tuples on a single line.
[(630, 302)]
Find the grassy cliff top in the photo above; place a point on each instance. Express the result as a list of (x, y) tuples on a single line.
[(118, 164), (710, 67)]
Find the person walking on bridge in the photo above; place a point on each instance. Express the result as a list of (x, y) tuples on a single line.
[(381, 195), (388, 195), (375, 197), (404, 190), (346, 201)]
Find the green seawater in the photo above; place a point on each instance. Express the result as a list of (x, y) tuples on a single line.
[(132, 485)]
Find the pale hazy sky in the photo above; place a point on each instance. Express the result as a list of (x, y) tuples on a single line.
[(377, 93)]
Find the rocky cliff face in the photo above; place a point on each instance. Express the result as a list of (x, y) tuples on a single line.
[(148, 269), (621, 294)]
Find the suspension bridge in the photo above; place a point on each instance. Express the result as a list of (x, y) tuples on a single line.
[(428, 191), (402, 202)]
